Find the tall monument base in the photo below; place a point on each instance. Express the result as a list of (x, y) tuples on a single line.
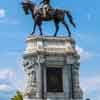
[(52, 68)]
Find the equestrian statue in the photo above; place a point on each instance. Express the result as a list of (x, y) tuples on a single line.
[(47, 13)]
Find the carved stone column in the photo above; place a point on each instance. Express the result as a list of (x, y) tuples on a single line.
[(77, 92), (73, 62), (33, 70)]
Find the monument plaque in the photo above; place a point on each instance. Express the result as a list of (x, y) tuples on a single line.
[(54, 80)]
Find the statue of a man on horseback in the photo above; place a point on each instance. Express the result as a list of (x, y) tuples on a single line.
[(45, 7), (47, 13)]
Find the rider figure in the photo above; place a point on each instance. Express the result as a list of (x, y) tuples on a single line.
[(46, 6)]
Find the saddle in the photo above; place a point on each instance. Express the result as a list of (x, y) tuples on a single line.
[(49, 13)]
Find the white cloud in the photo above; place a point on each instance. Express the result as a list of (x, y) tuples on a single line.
[(11, 21), (83, 54), (7, 20), (2, 13), (6, 74), (5, 88), (91, 86), (91, 83), (14, 80), (89, 16), (10, 81)]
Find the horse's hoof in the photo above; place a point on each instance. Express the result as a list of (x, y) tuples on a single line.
[(69, 35), (41, 34), (31, 33), (54, 35)]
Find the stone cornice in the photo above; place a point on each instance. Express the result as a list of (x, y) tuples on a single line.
[(49, 38), (50, 45)]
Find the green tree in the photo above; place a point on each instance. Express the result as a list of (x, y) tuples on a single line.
[(18, 96)]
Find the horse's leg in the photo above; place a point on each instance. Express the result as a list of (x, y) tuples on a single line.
[(57, 27), (34, 28), (40, 28), (65, 24)]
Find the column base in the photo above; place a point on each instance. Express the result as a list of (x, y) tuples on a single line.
[(26, 98)]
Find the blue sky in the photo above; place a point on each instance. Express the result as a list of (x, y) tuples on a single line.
[(15, 27)]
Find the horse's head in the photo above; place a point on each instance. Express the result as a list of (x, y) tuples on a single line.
[(27, 6)]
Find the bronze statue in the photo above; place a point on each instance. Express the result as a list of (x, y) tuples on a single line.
[(57, 15), (46, 6)]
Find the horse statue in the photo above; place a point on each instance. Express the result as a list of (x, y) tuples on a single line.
[(56, 15)]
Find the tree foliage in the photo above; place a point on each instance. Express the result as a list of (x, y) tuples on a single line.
[(18, 96)]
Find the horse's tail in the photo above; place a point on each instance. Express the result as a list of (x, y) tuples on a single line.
[(70, 18)]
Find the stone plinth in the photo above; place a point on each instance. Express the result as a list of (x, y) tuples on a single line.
[(45, 56)]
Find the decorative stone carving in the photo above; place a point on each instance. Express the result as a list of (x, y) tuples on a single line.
[(29, 67)]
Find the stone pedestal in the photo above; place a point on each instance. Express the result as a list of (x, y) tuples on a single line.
[(52, 68)]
